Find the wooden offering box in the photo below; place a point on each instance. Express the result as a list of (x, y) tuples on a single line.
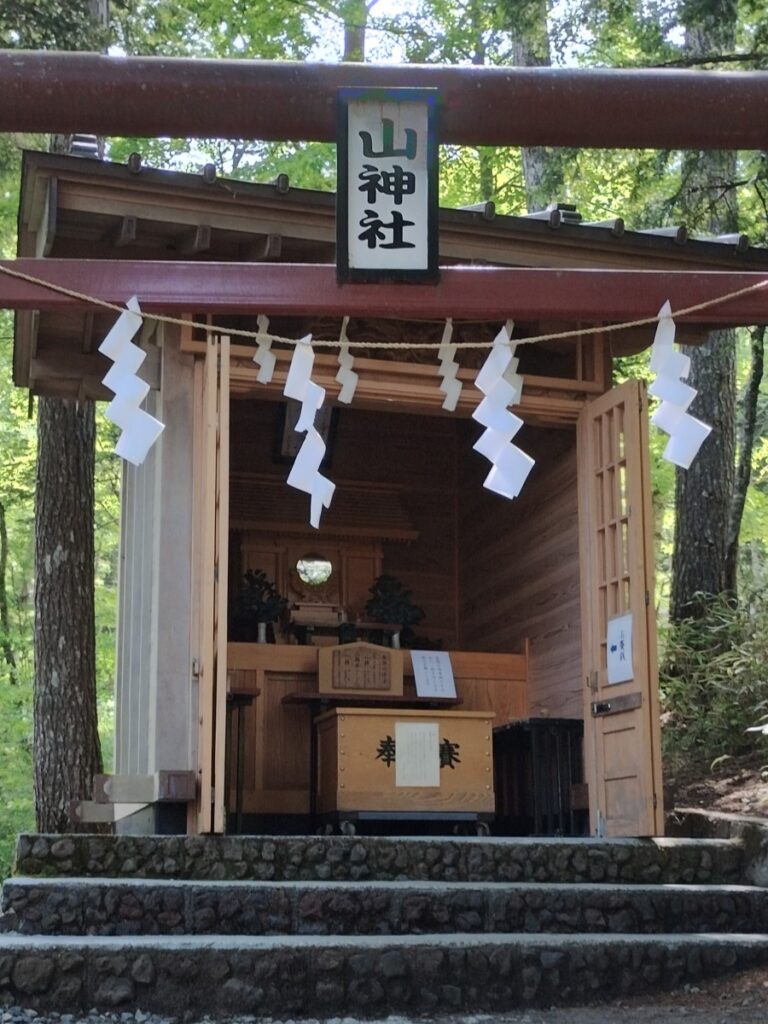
[(404, 760)]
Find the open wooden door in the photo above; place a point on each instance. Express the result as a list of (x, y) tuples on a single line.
[(621, 719), (210, 556)]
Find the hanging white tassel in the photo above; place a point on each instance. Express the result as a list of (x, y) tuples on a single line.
[(346, 375), (686, 433), (502, 385), (264, 357), (139, 429), (449, 368), (305, 473)]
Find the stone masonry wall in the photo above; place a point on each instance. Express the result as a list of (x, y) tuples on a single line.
[(219, 858)]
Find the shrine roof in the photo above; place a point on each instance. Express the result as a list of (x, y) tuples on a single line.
[(78, 207)]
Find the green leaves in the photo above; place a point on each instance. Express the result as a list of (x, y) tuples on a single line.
[(713, 680)]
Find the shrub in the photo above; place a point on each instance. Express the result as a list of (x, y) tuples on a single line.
[(714, 679)]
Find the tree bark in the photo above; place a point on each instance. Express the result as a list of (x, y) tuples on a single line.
[(67, 752), (5, 623), (355, 16), (703, 493), (748, 405), (542, 175)]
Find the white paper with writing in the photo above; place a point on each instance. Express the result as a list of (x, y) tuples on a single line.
[(417, 754), (619, 652), (388, 185), (433, 674)]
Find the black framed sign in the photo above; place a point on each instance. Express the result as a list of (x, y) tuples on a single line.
[(387, 200)]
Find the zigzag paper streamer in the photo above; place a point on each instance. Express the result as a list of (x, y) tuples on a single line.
[(139, 429), (686, 433), (264, 357), (346, 375), (502, 385), (450, 386), (305, 473)]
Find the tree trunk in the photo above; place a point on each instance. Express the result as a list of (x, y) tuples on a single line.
[(5, 623), (542, 174), (748, 405), (703, 493), (355, 16), (66, 740)]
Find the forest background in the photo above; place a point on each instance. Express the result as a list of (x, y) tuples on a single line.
[(712, 576)]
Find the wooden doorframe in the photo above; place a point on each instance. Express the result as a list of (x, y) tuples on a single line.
[(210, 553), (616, 559)]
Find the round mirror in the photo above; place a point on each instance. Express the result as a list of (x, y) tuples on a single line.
[(314, 570)]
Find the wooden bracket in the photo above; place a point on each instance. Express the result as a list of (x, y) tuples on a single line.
[(90, 812), (125, 233), (195, 241), (269, 248), (161, 787)]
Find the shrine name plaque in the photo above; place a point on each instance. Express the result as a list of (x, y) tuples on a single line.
[(360, 668)]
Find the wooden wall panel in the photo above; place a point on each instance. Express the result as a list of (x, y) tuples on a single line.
[(519, 569), (276, 744), (360, 570)]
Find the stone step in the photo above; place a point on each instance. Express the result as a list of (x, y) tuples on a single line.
[(341, 858), (370, 975), (86, 906)]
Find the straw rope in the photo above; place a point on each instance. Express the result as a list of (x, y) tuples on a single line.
[(336, 343)]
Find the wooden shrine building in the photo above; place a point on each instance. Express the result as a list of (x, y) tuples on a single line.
[(519, 592)]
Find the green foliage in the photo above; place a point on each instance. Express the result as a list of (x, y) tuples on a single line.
[(18, 443), (714, 684), (391, 603), (257, 600), (48, 25), (15, 768)]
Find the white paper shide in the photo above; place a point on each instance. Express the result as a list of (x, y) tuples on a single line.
[(686, 433), (139, 429), (502, 386), (305, 473)]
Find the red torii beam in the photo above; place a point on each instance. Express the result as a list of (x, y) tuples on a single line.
[(487, 293), (153, 96), (481, 105)]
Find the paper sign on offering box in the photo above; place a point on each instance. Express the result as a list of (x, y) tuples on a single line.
[(417, 757), (433, 674), (619, 649)]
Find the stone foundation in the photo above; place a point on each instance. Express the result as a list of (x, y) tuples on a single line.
[(373, 976), (219, 858)]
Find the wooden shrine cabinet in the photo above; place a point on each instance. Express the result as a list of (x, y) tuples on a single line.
[(278, 754)]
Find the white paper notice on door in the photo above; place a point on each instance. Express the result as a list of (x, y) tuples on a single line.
[(433, 674), (417, 754), (619, 649)]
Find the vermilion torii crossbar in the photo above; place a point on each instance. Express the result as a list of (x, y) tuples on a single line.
[(475, 293), (154, 96)]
